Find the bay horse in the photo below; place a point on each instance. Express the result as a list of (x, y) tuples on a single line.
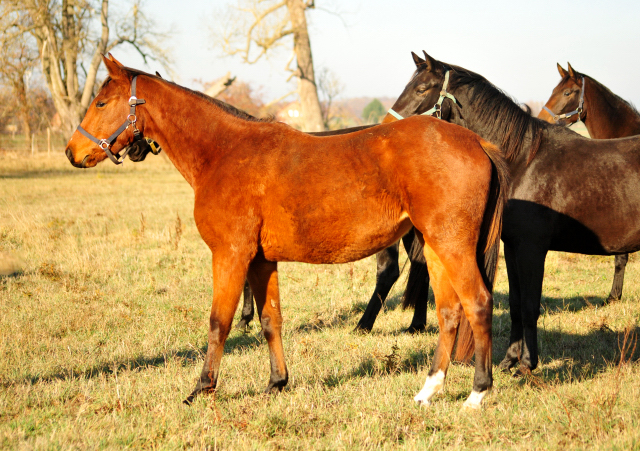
[(578, 97), (568, 193), (313, 199)]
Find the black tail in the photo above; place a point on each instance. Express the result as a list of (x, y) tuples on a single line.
[(489, 243)]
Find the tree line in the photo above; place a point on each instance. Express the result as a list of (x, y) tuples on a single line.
[(50, 53)]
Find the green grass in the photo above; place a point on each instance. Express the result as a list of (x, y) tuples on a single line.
[(103, 332)]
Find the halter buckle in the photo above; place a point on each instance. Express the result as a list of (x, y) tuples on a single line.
[(104, 144)]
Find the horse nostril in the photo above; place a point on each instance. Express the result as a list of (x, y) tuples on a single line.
[(69, 154)]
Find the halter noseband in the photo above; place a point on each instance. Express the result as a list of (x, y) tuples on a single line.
[(437, 108), (578, 111), (105, 144)]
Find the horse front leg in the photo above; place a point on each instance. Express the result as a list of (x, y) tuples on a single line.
[(530, 258), (514, 350), (618, 278), (263, 277), (388, 271), (228, 280), (247, 307)]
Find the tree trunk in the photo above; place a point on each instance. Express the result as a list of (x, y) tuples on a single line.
[(23, 107), (309, 103)]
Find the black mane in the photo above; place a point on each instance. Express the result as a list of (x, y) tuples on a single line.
[(219, 103), (504, 122)]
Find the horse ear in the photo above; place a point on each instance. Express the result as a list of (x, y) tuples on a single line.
[(431, 63), (113, 66), (416, 59), (572, 73), (563, 73)]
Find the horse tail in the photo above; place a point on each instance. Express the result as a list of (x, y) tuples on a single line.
[(417, 283), (489, 242)]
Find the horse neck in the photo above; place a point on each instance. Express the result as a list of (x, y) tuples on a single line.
[(607, 115), (518, 143), (187, 126)]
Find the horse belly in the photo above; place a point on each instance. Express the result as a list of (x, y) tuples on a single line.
[(334, 239)]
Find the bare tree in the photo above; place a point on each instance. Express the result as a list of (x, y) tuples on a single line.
[(256, 28), (69, 47), (330, 87), (17, 61)]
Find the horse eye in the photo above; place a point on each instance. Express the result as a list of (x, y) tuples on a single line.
[(100, 104), (567, 92), (421, 89)]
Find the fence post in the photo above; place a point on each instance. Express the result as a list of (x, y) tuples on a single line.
[(33, 144)]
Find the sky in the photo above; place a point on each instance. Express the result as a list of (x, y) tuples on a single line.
[(367, 44)]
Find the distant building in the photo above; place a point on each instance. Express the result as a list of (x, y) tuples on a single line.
[(290, 114)]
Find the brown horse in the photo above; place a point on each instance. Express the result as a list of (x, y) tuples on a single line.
[(579, 97), (316, 200)]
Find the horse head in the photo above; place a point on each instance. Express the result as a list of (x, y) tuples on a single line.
[(565, 106), (426, 92), (110, 124)]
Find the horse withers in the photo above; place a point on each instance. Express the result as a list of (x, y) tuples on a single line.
[(316, 200), (578, 97)]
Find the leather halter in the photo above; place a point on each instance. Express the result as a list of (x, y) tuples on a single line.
[(436, 110), (105, 144), (578, 111)]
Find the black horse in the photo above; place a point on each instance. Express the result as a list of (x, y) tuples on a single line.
[(568, 193)]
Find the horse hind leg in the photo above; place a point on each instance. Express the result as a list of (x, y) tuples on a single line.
[(263, 277), (618, 278), (462, 273), (247, 307), (449, 311), (388, 272), (416, 293)]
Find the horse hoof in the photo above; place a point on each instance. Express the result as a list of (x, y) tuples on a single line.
[(506, 365), (611, 299), (416, 329), (474, 401), (362, 330)]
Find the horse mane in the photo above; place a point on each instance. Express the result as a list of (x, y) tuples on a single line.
[(504, 122), (218, 103), (610, 95)]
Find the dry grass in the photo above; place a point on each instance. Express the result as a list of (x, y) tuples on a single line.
[(102, 333)]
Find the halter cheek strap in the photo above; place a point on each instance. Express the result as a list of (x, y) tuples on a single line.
[(436, 110), (578, 111), (105, 144)]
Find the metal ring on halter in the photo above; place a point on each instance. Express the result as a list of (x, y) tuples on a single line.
[(132, 121), (104, 144)]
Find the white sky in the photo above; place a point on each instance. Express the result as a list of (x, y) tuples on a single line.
[(514, 44)]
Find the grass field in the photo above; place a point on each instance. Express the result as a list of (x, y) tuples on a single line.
[(103, 332)]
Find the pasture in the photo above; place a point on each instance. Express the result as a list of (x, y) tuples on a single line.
[(103, 333)]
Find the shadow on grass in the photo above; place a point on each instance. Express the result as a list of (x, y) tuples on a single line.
[(582, 355), (382, 366), (185, 357)]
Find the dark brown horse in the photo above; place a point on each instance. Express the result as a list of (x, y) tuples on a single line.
[(579, 97), (316, 200), (568, 193)]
